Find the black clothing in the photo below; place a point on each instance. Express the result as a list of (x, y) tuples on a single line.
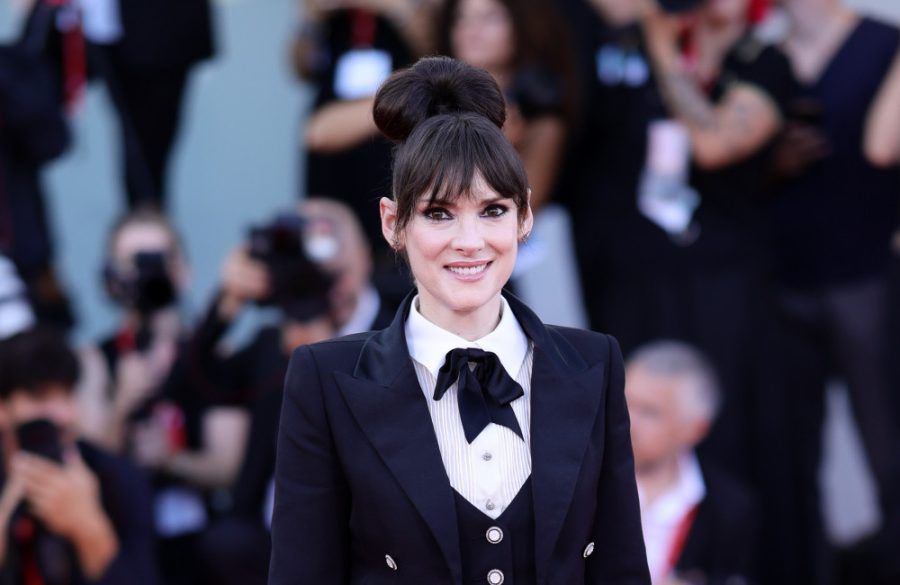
[(361, 175), (481, 551), (33, 131), (359, 473), (721, 545), (125, 497), (833, 224), (146, 73), (236, 548)]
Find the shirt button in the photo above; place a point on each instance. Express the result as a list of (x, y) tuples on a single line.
[(487, 456), (489, 505), (495, 577), (494, 534), (589, 550), (392, 565)]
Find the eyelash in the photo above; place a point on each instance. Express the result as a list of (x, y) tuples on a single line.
[(492, 211)]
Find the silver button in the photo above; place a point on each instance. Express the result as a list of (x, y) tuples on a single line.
[(495, 577), (489, 505), (487, 456), (589, 550), (494, 534), (391, 563)]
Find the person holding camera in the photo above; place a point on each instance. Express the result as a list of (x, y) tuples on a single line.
[(191, 443), (313, 266), (70, 513)]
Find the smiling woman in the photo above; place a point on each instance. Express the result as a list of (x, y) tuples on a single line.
[(452, 446)]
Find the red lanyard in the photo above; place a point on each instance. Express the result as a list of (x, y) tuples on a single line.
[(681, 536), (25, 532), (74, 55)]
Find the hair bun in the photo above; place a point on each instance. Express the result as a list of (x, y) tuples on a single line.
[(432, 87)]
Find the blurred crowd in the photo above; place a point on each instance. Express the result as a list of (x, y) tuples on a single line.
[(730, 168)]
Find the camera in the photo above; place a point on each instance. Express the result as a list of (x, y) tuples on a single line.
[(41, 437), (147, 288), (292, 247), (679, 6)]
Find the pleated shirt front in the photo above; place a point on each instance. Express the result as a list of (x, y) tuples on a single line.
[(489, 472)]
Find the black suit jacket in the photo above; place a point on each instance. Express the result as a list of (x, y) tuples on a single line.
[(359, 475), (721, 547)]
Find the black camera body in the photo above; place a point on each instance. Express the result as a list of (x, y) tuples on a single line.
[(147, 289), (41, 437), (679, 6), (298, 286)]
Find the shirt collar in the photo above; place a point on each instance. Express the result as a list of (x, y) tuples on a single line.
[(429, 343), (690, 490)]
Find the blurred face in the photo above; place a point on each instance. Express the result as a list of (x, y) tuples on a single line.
[(617, 12), (148, 237), (483, 34), (141, 237), (659, 429), (726, 12), (462, 253), (55, 404)]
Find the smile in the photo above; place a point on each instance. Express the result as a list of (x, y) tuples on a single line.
[(469, 271)]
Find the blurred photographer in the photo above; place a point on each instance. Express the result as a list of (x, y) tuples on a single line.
[(144, 274), (313, 265), (192, 444), (70, 512)]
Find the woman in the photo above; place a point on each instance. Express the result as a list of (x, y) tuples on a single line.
[(520, 43), (381, 477)]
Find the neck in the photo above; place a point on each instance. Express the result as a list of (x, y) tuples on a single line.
[(470, 325), (813, 19), (657, 478)]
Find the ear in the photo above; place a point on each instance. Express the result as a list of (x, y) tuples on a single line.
[(389, 223), (527, 223)]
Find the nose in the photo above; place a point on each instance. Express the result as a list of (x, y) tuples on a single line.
[(468, 238)]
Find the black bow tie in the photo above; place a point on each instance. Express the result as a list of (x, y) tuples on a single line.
[(484, 392)]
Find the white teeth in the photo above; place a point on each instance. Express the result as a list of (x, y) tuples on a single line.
[(467, 270)]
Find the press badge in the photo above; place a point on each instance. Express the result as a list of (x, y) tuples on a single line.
[(361, 72), (664, 195)]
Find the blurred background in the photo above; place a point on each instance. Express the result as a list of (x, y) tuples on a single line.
[(668, 209)]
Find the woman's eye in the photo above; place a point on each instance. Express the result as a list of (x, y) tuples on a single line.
[(436, 214), (495, 210)]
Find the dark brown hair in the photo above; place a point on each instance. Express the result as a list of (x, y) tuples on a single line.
[(446, 118)]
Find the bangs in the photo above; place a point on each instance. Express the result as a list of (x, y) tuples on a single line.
[(445, 155)]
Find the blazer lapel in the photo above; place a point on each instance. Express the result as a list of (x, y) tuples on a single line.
[(565, 400), (387, 403)]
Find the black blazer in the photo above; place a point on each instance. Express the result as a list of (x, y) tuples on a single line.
[(721, 547), (359, 475)]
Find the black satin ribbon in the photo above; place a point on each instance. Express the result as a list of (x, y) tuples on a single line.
[(484, 392)]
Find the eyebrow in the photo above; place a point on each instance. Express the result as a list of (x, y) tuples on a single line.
[(447, 202)]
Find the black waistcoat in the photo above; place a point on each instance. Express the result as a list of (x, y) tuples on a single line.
[(504, 545)]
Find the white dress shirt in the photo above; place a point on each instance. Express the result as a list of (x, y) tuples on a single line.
[(663, 519), (491, 470)]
